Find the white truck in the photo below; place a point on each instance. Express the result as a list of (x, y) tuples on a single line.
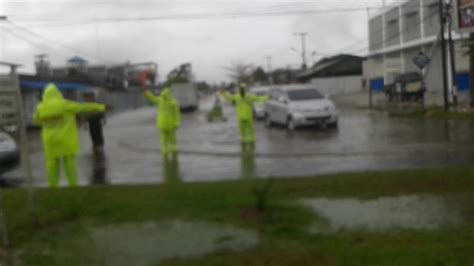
[(187, 95)]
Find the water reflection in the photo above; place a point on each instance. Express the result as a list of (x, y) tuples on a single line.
[(171, 168), (247, 161), (99, 169)]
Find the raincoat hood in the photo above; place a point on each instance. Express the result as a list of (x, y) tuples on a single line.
[(51, 92), (166, 94)]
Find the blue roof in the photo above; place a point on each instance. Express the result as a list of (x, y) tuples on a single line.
[(39, 85), (77, 60)]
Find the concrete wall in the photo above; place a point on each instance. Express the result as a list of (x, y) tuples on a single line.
[(338, 85), (408, 56), (434, 77)]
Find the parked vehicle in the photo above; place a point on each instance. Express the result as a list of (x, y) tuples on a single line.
[(187, 95), (259, 108), (9, 152), (299, 105), (405, 87)]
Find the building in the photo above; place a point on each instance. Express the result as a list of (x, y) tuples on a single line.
[(116, 77), (336, 75), (398, 34), (115, 85)]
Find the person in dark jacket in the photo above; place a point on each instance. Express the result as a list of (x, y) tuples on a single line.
[(95, 122)]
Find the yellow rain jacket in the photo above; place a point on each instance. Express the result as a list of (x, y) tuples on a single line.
[(245, 104), (57, 118), (169, 117)]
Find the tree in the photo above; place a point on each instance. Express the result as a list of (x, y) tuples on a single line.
[(240, 72), (259, 76)]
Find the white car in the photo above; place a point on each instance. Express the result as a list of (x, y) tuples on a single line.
[(299, 105), (259, 107)]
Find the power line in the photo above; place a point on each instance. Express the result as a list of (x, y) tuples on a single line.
[(203, 16), (55, 42), (39, 46)]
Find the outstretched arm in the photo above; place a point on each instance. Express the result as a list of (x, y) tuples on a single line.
[(75, 107), (256, 98), (228, 97), (152, 98)]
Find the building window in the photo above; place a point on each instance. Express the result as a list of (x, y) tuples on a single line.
[(392, 30), (412, 24)]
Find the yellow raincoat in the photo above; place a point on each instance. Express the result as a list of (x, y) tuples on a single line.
[(245, 113), (57, 118), (168, 120)]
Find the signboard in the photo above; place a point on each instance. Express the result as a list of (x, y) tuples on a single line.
[(464, 15), (421, 60)]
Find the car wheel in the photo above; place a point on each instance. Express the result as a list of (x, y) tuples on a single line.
[(268, 121), (291, 125)]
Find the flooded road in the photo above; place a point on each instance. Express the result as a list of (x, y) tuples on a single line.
[(211, 151)]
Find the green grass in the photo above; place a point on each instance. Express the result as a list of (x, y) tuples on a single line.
[(65, 215)]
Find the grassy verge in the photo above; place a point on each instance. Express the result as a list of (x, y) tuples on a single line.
[(65, 215)]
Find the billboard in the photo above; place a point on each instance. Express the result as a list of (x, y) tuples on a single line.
[(465, 15)]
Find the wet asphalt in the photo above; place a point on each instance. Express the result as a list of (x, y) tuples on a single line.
[(364, 141)]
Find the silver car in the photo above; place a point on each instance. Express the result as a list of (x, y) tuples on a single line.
[(9, 154), (299, 105)]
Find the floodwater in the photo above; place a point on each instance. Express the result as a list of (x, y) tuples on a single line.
[(150, 243), (418, 212), (365, 141)]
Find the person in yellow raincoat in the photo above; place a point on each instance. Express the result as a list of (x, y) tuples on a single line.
[(57, 118), (168, 120), (244, 103)]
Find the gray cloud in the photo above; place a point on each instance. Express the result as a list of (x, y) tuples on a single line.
[(209, 44)]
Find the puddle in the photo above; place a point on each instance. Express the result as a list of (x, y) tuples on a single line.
[(404, 212), (150, 243)]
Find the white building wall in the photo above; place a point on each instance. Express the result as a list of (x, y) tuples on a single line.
[(338, 85)]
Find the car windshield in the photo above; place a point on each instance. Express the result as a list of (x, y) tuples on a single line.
[(304, 94)]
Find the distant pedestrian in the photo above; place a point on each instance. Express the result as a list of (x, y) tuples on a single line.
[(168, 120), (95, 123), (57, 118), (244, 102)]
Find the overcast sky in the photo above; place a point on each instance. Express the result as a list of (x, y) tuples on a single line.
[(208, 33)]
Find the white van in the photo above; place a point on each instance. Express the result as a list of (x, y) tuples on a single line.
[(186, 94), (299, 105)]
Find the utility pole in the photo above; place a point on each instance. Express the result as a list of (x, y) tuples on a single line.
[(452, 54), (303, 48), (442, 24), (269, 69)]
